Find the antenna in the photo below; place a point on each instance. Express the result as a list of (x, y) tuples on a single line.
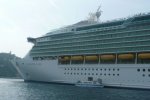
[(94, 17), (98, 13)]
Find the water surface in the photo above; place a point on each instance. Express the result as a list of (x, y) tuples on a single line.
[(17, 89)]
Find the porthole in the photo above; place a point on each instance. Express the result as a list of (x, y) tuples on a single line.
[(109, 69), (74, 73), (71, 68), (77, 73), (149, 70), (84, 73), (117, 74), (78, 68), (138, 70), (149, 75), (109, 74), (118, 69), (143, 75), (113, 69), (92, 73), (85, 69), (100, 73), (96, 68), (68, 68), (81, 68), (65, 68), (143, 70), (71, 73), (74, 68), (96, 74), (88, 73), (81, 73), (101, 69), (92, 68), (105, 69), (113, 74), (105, 74)]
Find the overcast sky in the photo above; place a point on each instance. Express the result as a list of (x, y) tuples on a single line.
[(20, 19)]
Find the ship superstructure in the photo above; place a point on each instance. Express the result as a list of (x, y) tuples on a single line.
[(117, 52)]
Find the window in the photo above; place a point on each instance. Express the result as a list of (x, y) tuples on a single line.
[(143, 70), (143, 75), (138, 70)]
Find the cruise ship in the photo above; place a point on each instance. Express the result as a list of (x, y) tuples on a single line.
[(117, 52)]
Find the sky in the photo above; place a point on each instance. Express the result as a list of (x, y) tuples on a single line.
[(20, 19)]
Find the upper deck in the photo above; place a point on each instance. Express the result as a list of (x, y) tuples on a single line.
[(118, 36)]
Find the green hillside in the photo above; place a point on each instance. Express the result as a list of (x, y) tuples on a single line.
[(6, 68)]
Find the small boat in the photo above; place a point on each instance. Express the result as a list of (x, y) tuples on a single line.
[(89, 84)]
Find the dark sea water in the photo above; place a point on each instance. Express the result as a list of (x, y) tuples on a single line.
[(17, 89)]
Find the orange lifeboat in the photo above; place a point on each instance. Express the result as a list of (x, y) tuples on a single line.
[(144, 56), (125, 56), (65, 58), (91, 58), (77, 58), (107, 57)]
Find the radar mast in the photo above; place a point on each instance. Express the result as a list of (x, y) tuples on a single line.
[(94, 17), (98, 13)]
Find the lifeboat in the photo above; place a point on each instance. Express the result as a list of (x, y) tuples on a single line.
[(144, 56), (125, 56), (107, 57), (77, 58), (91, 58), (66, 58)]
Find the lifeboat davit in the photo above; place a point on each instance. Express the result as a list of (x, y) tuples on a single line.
[(91, 58), (77, 58), (144, 55), (107, 57), (125, 56)]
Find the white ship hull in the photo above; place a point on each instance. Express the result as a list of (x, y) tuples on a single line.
[(117, 75)]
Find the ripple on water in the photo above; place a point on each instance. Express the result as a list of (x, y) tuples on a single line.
[(17, 89)]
